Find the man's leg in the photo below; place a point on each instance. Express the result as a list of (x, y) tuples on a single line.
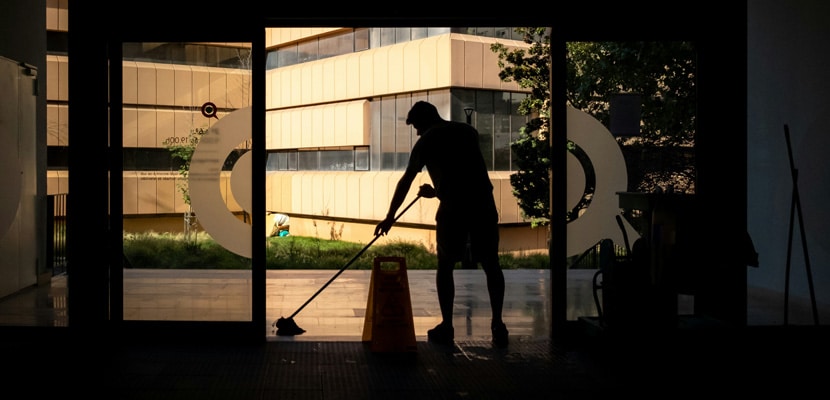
[(488, 242), (446, 238), (495, 287), (445, 286), (485, 240), (444, 333)]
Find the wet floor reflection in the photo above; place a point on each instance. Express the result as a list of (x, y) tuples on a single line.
[(338, 312)]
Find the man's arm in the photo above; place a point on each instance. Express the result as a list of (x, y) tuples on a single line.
[(401, 190)]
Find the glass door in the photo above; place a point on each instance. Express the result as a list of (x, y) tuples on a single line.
[(187, 193)]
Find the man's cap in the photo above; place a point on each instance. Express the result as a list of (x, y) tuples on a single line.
[(422, 111)]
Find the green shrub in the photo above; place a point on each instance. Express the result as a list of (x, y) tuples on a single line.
[(175, 251)]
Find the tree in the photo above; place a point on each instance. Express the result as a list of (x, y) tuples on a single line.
[(184, 153), (530, 69), (663, 73)]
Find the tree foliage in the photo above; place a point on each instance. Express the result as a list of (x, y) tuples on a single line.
[(662, 73), (530, 68), (184, 153)]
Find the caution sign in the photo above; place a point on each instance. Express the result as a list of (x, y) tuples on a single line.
[(388, 324)]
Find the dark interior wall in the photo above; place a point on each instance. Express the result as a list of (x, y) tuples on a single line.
[(23, 39), (788, 83), (23, 31)]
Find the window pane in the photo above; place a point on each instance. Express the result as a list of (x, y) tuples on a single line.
[(361, 159), (483, 121), (337, 160), (387, 134), (419, 33), (438, 31), (464, 30), (271, 60), (416, 97), (441, 100), (307, 161), (387, 36), (403, 35), (517, 122), (502, 32), (274, 161), (375, 127), (485, 31), (307, 51), (516, 35), (293, 161), (361, 39), (287, 56), (375, 36), (501, 133), (403, 137), (461, 99), (331, 46)]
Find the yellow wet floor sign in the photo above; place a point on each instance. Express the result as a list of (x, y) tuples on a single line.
[(388, 324)]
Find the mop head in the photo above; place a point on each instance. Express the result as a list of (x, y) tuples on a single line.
[(287, 327)]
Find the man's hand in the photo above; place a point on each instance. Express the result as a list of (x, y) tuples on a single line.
[(427, 191), (384, 226)]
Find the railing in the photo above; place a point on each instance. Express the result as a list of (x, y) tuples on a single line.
[(590, 259), (56, 233)]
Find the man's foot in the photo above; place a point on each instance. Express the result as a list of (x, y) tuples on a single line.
[(499, 331), (441, 334)]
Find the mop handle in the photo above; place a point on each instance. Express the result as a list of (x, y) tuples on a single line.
[(343, 268)]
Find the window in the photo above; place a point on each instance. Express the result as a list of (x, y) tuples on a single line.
[(360, 39), (307, 51), (188, 54), (403, 132), (335, 45), (341, 159), (308, 160), (286, 56), (361, 159), (495, 116)]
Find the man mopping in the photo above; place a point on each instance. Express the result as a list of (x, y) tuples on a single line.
[(467, 211)]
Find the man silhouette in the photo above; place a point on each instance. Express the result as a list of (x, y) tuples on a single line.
[(467, 211)]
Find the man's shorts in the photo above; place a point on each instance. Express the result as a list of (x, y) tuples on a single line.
[(454, 231)]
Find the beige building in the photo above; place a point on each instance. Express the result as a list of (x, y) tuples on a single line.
[(336, 141), (336, 138)]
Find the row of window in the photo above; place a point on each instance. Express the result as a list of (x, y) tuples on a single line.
[(359, 39), (189, 54), (349, 159), (495, 115), (341, 42)]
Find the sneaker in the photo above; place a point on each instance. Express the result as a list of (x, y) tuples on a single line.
[(499, 331), (441, 334)]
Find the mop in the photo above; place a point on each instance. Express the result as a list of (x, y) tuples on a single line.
[(287, 326)]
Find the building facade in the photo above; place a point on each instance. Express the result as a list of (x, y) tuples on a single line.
[(336, 141)]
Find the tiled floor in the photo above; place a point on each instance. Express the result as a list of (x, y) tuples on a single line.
[(330, 362)]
